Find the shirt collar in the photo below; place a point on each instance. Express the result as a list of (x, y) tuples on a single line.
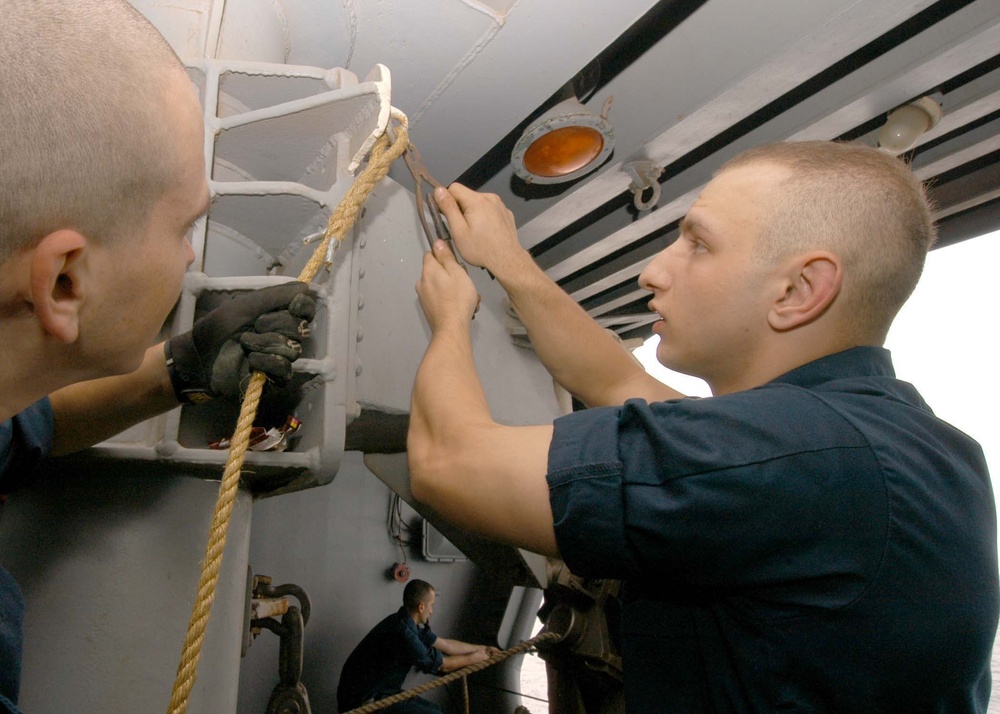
[(405, 616), (866, 361)]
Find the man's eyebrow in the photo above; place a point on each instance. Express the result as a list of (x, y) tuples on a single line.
[(692, 225)]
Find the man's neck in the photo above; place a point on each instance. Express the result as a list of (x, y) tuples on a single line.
[(25, 374), (14, 403), (17, 395), (780, 357)]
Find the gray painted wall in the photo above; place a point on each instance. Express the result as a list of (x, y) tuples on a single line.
[(109, 561), (333, 542)]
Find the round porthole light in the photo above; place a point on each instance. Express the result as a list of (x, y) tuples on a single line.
[(563, 151), (566, 142)]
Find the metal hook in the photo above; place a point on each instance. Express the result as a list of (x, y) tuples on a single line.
[(644, 176)]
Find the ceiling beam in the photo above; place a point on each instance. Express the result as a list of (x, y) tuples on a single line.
[(619, 302), (958, 150), (627, 321), (627, 273), (966, 191), (924, 61), (832, 32), (977, 200)]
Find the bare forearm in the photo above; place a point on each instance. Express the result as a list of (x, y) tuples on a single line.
[(456, 647), (89, 412), (447, 394), (453, 662), (484, 477)]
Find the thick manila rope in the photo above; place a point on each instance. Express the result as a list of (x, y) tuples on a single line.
[(383, 153), (452, 676)]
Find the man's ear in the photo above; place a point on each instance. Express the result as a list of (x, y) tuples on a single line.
[(56, 289), (812, 283)]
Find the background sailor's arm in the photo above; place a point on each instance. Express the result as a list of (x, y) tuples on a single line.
[(452, 662), (454, 647)]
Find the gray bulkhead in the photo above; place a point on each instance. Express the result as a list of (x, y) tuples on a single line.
[(107, 546)]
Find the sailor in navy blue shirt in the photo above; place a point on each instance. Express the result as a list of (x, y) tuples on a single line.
[(379, 664), (95, 225), (24, 440), (402, 641), (810, 538), (831, 529)]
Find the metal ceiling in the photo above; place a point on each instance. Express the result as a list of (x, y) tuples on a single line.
[(729, 77), (693, 82)]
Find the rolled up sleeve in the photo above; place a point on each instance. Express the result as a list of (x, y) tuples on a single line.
[(585, 491), (421, 649)]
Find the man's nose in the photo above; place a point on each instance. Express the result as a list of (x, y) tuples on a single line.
[(656, 276)]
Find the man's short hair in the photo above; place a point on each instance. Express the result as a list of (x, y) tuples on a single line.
[(416, 592), (858, 202), (83, 143)]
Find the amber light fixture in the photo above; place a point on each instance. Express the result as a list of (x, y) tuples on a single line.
[(565, 143), (563, 151)]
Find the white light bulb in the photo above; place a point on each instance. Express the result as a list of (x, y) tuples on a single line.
[(905, 125)]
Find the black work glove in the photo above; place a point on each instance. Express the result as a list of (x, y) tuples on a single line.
[(259, 330)]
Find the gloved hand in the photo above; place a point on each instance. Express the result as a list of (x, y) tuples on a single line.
[(258, 330)]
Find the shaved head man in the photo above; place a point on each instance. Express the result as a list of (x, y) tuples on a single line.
[(809, 538), (102, 176)]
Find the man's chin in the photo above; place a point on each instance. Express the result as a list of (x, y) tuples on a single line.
[(676, 364), (669, 360)]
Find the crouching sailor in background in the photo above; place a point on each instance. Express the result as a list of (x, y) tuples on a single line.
[(379, 664)]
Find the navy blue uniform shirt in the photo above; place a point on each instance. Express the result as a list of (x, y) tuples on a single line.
[(24, 441), (379, 664), (822, 543)]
